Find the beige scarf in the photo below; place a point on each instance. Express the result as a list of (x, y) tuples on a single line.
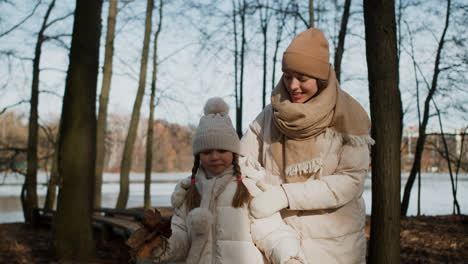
[(296, 127)]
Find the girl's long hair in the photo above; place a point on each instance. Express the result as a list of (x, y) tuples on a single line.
[(193, 196), (241, 196)]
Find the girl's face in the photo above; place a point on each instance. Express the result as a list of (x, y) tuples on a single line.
[(300, 87), (216, 160)]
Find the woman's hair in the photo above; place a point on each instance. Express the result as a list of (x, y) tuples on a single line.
[(322, 84), (193, 196), (240, 197)]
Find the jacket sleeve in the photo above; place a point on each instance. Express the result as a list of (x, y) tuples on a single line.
[(278, 241), (252, 140), (336, 190), (178, 244)]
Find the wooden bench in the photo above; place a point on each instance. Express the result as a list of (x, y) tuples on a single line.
[(123, 222), (126, 221), (124, 226)]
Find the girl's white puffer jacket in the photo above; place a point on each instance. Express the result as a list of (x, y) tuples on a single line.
[(328, 209), (217, 233)]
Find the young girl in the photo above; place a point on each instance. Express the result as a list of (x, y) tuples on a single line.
[(213, 225)]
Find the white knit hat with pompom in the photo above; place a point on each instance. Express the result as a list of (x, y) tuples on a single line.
[(215, 130)]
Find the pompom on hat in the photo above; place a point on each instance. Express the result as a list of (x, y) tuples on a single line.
[(215, 130), (308, 54)]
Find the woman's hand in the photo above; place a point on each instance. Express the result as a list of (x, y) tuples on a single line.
[(268, 202)]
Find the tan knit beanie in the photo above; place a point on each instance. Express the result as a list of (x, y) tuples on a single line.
[(308, 54), (215, 130)]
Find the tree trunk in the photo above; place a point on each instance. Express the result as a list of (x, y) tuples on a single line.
[(77, 143), (242, 69), (281, 20), (126, 163), (31, 172), (311, 13), (415, 69), (422, 129), (103, 102), (456, 206), (236, 64), (264, 31), (53, 181), (264, 18), (341, 38), (149, 138), (386, 114), (275, 55), (460, 156)]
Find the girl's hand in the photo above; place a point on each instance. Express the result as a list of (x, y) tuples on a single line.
[(268, 202)]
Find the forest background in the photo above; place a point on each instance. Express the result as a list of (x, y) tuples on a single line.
[(197, 57)]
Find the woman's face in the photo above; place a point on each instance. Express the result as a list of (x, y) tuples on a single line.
[(300, 87), (216, 160)]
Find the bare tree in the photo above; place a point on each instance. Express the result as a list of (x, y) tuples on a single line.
[(422, 129), (311, 13), (415, 70), (103, 101), (341, 38), (456, 205), (265, 15), (239, 8), (126, 163), (281, 16), (239, 11), (77, 143), (30, 201), (236, 64), (149, 138), (385, 102)]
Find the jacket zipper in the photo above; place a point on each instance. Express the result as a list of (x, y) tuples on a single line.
[(213, 227)]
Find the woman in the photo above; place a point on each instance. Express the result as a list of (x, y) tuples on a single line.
[(211, 223), (314, 141)]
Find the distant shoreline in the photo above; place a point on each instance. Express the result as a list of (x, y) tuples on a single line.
[(105, 182)]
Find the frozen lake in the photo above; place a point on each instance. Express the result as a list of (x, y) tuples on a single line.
[(436, 193)]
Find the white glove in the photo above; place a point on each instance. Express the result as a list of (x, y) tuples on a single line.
[(269, 202), (180, 191)]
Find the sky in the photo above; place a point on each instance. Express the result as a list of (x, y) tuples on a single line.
[(191, 70)]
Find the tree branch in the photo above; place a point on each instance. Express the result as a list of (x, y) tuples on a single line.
[(59, 19), (13, 105), (51, 92), (22, 21)]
